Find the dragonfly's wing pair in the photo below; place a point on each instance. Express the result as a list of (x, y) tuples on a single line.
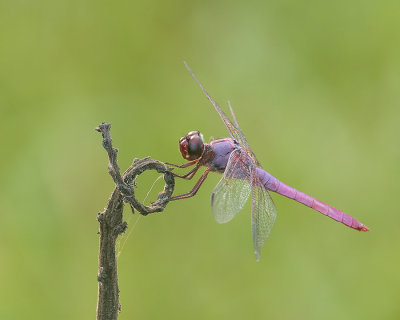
[(239, 180), (231, 194)]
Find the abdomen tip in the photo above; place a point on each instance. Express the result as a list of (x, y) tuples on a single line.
[(364, 228)]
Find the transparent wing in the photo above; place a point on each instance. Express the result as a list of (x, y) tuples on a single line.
[(229, 125), (234, 129), (233, 115), (242, 139), (263, 215), (232, 191)]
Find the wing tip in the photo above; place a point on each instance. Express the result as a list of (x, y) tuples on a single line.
[(187, 66), (221, 220)]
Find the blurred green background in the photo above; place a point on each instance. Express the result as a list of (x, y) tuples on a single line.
[(315, 86)]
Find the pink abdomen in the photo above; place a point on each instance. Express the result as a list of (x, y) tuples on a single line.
[(273, 184)]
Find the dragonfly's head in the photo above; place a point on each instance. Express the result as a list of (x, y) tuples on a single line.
[(192, 145)]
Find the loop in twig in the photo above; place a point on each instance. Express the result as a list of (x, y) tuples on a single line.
[(137, 168)]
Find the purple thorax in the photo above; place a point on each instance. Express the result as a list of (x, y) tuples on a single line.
[(217, 154)]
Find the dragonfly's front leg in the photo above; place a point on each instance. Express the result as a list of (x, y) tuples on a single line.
[(185, 165), (196, 187), (190, 174)]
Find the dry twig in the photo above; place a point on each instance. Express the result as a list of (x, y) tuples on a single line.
[(112, 224)]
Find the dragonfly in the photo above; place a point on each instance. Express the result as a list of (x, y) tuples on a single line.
[(242, 176)]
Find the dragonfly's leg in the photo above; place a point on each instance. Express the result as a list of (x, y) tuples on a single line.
[(185, 165), (196, 187), (190, 174)]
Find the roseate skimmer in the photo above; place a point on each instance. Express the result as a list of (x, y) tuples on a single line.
[(242, 175)]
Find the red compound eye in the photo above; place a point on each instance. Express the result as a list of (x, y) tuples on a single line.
[(191, 145)]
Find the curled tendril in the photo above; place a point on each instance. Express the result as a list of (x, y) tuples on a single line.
[(137, 168), (124, 183)]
